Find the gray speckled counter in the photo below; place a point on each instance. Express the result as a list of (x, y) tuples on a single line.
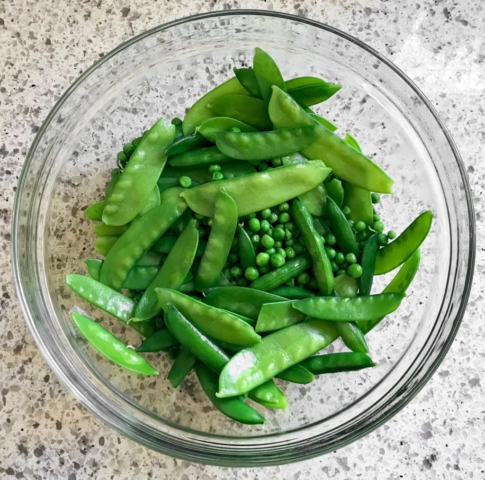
[(44, 433)]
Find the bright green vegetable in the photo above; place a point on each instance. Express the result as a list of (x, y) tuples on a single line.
[(337, 362), (274, 316), (159, 341), (181, 367), (211, 127)]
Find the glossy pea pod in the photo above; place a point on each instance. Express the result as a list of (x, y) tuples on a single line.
[(297, 374), (186, 144), (181, 367), (368, 262), (112, 348), (103, 230), (267, 74), (152, 201), (323, 121), (293, 293), (337, 363), (160, 341), (196, 158), (308, 91), (247, 255), (247, 78), (341, 228), (315, 200), (95, 211), (274, 316), (114, 176), (104, 244), (166, 243), (213, 126), (335, 191)]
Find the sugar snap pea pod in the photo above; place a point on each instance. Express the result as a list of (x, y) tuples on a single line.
[(164, 183), (114, 176), (322, 267), (296, 374), (350, 309), (159, 341), (312, 94), (188, 287), (294, 158), (211, 321), (320, 226), (293, 293), (341, 228), (279, 185), (200, 111), (359, 202), (294, 83), (95, 211), (140, 277), (247, 255), (181, 367), (179, 225), (400, 249), (152, 201), (335, 191), (141, 235), (234, 408), (240, 300), (345, 161), (173, 272), (337, 362), (224, 223), (247, 78), (283, 274), (346, 286), (250, 110), (267, 73), (368, 263), (323, 121), (399, 284), (112, 348), (104, 244), (199, 157), (149, 259), (276, 352), (102, 230), (187, 143), (268, 395), (266, 145), (94, 267), (166, 243), (140, 175), (352, 142), (211, 127), (315, 200), (274, 316)]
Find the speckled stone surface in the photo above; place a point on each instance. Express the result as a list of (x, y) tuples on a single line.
[(44, 433)]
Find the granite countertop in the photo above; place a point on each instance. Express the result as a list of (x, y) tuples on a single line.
[(45, 433)]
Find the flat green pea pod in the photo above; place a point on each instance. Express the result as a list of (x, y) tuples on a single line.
[(94, 267), (247, 255), (104, 244), (240, 300), (183, 364), (283, 274), (279, 185), (399, 284), (234, 408), (112, 348), (213, 322), (268, 395), (335, 191), (266, 145), (400, 249), (267, 74), (308, 91), (322, 267), (95, 211), (159, 341), (102, 230), (323, 121), (247, 78), (345, 162), (140, 176), (297, 374), (274, 316), (341, 228), (131, 246), (249, 110), (200, 110), (350, 309), (293, 293), (200, 157), (224, 225), (352, 142), (152, 202), (114, 176), (166, 243), (149, 259), (337, 363), (276, 352), (315, 200), (173, 273), (187, 143), (368, 263), (211, 127)]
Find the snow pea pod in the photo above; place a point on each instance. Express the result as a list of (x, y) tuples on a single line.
[(267, 74), (104, 244), (187, 143), (340, 309), (102, 230), (283, 274), (196, 158), (368, 262), (352, 142), (247, 78), (313, 93), (131, 246), (299, 82), (173, 272), (274, 316), (297, 374), (341, 228), (278, 184), (140, 175), (345, 161), (159, 341), (320, 226), (213, 322), (247, 255), (200, 110), (322, 267), (114, 176), (337, 362), (211, 127), (149, 259), (166, 243), (276, 352), (152, 202), (360, 204), (95, 211), (266, 145), (268, 395), (335, 191), (224, 223), (315, 200), (400, 249), (293, 293), (183, 364), (323, 121), (112, 348)]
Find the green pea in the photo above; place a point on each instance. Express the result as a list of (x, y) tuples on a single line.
[(270, 251), (291, 227), (278, 244), (217, 176), (251, 215), (362, 245), (330, 239), (227, 273), (344, 265), (214, 168), (362, 236), (234, 283), (265, 269), (376, 217), (128, 149), (340, 272), (265, 213), (351, 223), (278, 233), (312, 284), (354, 270), (339, 258), (334, 267), (255, 163), (273, 218), (254, 225), (360, 226), (290, 242), (375, 197), (299, 248), (378, 226), (263, 167), (276, 162), (303, 278), (264, 226), (281, 251), (251, 273), (255, 239), (288, 234), (382, 239), (267, 241), (202, 231), (185, 181), (284, 217), (290, 283), (262, 259), (330, 253), (232, 257), (346, 211), (236, 272), (121, 156), (290, 252), (284, 207), (350, 258), (391, 234), (270, 232)]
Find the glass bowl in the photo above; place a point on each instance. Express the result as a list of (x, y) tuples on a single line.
[(161, 73)]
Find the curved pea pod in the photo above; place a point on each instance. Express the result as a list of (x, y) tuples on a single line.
[(152, 201), (337, 362), (359, 202), (166, 243), (266, 145), (95, 211), (240, 300), (172, 195), (200, 110), (267, 73), (234, 408), (247, 255), (114, 176), (335, 191), (341, 228), (131, 246), (293, 293), (112, 348), (140, 176), (297, 374), (200, 157), (159, 341), (173, 272), (249, 110), (187, 143), (213, 322), (268, 395), (321, 226), (340, 309), (247, 78), (323, 121), (322, 267), (315, 200), (181, 367), (94, 267), (283, 274), (276, 352), (400, 249), (279, 185), (368, 262), (399, 284), (149, 259), (140, 277), (312, 94), (103, 245), (224, 223), (102, 230), (352, 142), (345, 162), (274, 316), (211, 127)]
